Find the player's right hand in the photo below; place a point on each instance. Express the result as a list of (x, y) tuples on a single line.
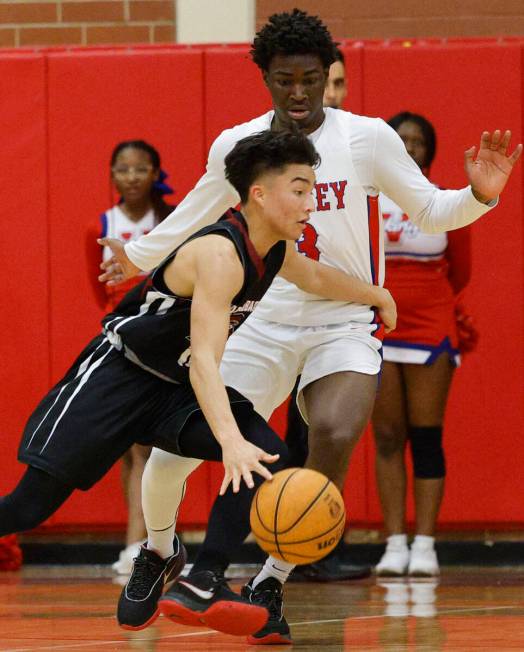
[(240, 459), (118, 268), (387, 310)]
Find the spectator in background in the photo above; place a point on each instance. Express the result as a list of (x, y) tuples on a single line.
[(336, 86), (426, 274), (139, 180)]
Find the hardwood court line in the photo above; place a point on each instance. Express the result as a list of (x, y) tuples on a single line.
[(209, 632), (86, 644), (444, 612)]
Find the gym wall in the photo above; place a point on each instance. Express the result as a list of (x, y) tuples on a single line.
[(60, 116)]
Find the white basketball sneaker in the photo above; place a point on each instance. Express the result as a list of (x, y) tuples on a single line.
[(395, 560), (423, 560), (124, 564)]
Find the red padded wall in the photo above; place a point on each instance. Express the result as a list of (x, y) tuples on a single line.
[(24, 352), (464, 89), (97, 99)]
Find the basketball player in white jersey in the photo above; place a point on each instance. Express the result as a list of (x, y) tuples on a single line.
[(335, 346)]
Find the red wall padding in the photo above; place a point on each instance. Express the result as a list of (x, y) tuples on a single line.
[(24, 354), (61, 113)]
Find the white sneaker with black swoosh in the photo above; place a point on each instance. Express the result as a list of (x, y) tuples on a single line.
[(204, 598)]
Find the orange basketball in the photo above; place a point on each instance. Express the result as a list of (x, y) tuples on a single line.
[(298, 516)]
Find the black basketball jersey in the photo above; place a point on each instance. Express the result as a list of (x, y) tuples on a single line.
[(151, 325)]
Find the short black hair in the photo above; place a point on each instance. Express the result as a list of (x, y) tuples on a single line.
[(264, 151), (428, 131), (339, 56), (137, 144), (293, 33)]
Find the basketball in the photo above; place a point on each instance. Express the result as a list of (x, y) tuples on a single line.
[(298, 516)]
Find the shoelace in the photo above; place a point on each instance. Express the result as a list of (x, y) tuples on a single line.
[(271, 599), (140, 581)]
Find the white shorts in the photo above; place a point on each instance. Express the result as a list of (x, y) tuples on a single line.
[(263, 359)]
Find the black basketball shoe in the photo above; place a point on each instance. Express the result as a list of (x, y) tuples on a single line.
[(204, 598), (268, 593), (138, 603)]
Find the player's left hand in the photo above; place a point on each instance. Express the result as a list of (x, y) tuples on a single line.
[(118, 268), (489, 171), (240, 459)]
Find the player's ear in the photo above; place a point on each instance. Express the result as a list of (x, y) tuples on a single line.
[(257, 194)]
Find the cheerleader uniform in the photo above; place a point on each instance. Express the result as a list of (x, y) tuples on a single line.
[(114, 223), (425, 287)]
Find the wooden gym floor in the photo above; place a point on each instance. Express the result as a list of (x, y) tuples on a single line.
[(66, 608)]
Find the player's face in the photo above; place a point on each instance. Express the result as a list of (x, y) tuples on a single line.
[(133, 175), (336, 89), (296, 83), (287, 200), (414, 141)]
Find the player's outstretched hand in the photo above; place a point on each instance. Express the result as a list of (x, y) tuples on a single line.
[(118, 268), (489, 171), (387, 309), (240, 459)]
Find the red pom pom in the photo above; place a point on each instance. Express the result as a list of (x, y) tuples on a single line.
[(468, 335), (10, 553)]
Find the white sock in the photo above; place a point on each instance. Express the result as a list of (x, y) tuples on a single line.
[(398, 540), (163, 488), (276, 568), (423, 541)]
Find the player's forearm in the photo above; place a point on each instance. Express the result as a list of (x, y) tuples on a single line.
[(433, 210), (335, 285), (212, 397), (448, 210)]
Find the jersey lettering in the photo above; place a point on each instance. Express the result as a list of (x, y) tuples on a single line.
[(322, 190), (307, 243), (338, 188)]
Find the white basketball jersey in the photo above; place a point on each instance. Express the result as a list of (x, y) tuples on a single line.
[(403, 240), (344, 232), (360, 157)]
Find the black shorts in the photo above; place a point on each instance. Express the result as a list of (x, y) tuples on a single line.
[(102, 406)]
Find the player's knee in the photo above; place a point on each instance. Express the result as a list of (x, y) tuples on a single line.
[(427, 452), (327, 433), (389, 440), (165, 467)]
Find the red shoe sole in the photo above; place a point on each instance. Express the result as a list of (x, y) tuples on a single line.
[(227, 617), (270, 639), (146, 624)]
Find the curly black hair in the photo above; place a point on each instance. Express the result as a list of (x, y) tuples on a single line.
[(264, 151), (293, 33), (427, 129)]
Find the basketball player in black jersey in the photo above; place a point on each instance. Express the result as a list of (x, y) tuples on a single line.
[(155, 369)]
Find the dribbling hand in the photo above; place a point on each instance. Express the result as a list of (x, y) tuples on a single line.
[(240, 459), (118, 268)]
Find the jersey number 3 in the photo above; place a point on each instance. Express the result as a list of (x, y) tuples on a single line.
[(307, 243)]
